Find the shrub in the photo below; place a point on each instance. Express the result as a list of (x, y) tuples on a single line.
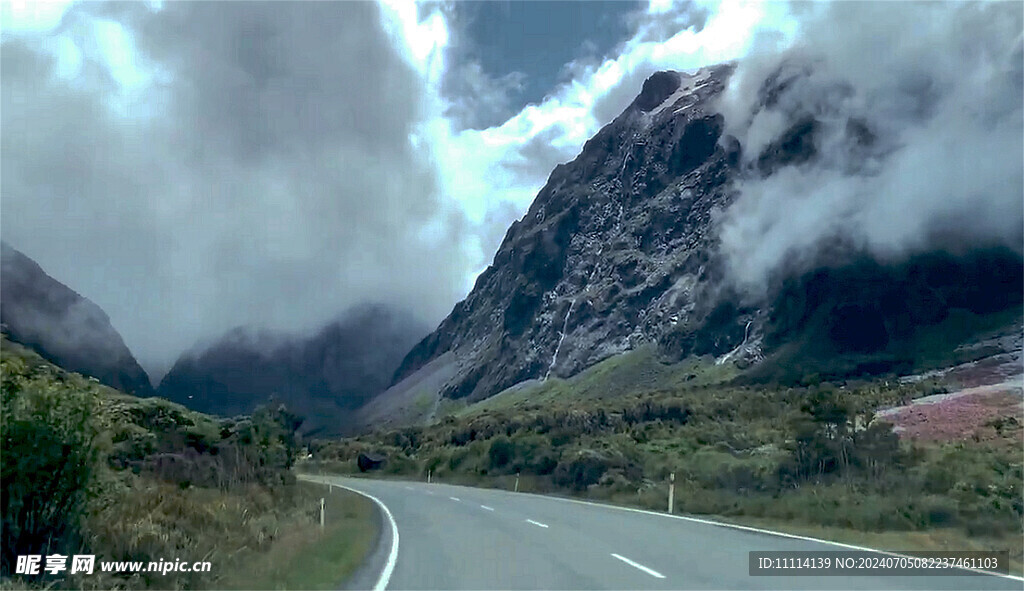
[(500, 452), (585, 469), (49, 453)]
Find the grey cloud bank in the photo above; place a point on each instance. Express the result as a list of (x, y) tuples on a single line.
[(266, 178), (918, 137)]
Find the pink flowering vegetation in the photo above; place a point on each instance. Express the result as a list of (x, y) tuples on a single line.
[(997, 369), (986, 415)]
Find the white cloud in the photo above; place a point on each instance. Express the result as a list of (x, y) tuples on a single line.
[(31, 16), (939, 89), (493, 174)]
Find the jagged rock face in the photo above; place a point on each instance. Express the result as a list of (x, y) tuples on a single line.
[(63, 327), (620, 248), (614, 251), (322, 378)]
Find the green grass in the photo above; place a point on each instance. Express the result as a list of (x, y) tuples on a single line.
[(629, 373), (423, 402), (304, 557)]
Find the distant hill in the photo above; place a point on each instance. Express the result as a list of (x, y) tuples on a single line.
[(64, 327), (323, 377)]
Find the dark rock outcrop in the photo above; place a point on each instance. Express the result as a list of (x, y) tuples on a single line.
[(323, 377), (63, 327), (367, 462)]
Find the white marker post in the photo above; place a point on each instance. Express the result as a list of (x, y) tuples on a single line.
[(517, 482), (321, 513), (671, 491), (428, 476)]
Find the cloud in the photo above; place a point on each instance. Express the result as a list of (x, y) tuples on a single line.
[(479, 100), (21, 16), (264, 174), (193, 167), (918, 137), (495, 173)]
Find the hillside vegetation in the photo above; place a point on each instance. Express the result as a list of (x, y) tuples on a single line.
[(89, 470), (810, 454)]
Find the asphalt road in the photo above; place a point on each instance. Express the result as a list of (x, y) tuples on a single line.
[(453, 537)]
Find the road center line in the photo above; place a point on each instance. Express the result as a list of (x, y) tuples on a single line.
[(537, 523), (454, 498), (649, 571), (485, 507)]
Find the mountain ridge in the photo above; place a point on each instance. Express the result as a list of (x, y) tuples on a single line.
[(63, 326), (620, 249), (322, 377)]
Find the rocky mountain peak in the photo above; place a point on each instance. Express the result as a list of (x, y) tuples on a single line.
[(612, 252), (621, 248), (656, 89)]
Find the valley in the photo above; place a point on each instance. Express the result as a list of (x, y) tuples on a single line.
[(499, 295)]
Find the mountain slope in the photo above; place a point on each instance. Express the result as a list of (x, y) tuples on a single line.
[(621, 248), (65, 328), (614, 246), (322, 378)]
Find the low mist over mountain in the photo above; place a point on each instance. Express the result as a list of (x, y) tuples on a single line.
[(323, 377), (648, 235), (65, 328)]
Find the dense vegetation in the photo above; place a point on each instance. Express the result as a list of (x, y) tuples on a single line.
[(86, 469), (810, 454)]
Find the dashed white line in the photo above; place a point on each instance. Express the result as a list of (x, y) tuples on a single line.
[(408, 488), (486, 508), (649, 571), (455, 498), (537, 523)]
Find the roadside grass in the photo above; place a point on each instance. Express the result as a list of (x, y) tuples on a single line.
[(304, 557), (804, 458), (656, 499), (89, 470), (803, 455)]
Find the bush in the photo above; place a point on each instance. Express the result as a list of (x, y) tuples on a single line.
[(585, 469), (500, 452), (49, 453)]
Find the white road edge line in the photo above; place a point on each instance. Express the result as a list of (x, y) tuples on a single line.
[(486, 508), (389, 566), (455, 498), (649, 571), (537, 523), (755, 530)]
